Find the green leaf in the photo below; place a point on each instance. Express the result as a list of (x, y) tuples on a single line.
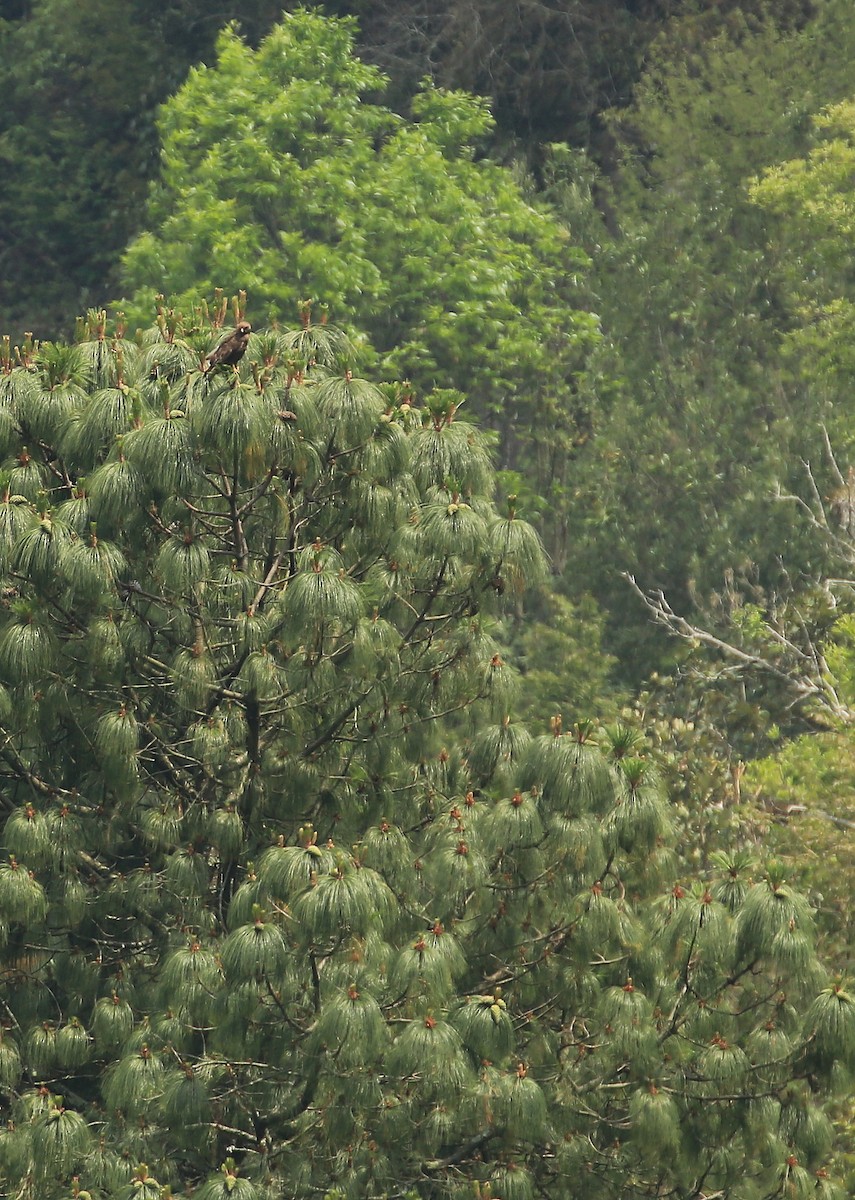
[(112, 1021), (431, 1049), (351, 1028), (22, 897), (830, 1027), (485, 1026), (134, 1082)]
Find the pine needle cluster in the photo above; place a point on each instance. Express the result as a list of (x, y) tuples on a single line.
[(289, 905)]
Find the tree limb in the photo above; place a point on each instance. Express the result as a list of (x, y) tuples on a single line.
[(807, 679)]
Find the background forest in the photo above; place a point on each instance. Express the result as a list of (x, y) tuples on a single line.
[(332, 814)]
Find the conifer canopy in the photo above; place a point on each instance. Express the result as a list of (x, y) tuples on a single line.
[(290, 906)]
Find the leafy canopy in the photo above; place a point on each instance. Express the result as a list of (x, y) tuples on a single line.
[(282, 173), (675, 486), (77, 139), (811, 198)]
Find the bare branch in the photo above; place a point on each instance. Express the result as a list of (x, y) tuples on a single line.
[(803, 673)]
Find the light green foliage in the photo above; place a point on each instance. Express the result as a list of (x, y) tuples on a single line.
[(282, 174), (811, 198), (289, 904), (804, 805)]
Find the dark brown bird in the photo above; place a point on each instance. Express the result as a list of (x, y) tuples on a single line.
[(231, 349)]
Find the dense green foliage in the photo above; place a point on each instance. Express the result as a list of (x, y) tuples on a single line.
[(297, 896), (701, 411), (811, 198), (77, 139), (290, 903), (707, 419), (82, 83), (431, 255)]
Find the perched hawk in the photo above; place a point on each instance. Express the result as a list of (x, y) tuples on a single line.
[(231, 349)]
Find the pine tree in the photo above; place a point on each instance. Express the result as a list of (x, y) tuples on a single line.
[(436, 258), (290, 904)]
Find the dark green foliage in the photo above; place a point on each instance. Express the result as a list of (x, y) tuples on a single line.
[(704, 418), (77, 137), (289, 905), (82, 86)]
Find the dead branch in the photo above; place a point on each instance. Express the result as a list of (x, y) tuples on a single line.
[(803, 673)]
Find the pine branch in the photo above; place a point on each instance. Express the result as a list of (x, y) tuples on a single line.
[(266, 583), (431, 596), (462, 1152), (162, 755), (23, 772), (334, 726), (260, 491), (241, 547)]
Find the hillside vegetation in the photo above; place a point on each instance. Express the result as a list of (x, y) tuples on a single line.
[(426, 740)]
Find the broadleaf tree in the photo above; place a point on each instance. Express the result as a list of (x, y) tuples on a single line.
[(677, 485), (291, 905), (282, 172), (809, 198)]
